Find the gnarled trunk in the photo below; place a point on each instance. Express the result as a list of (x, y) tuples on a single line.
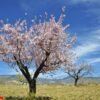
[(32, 86), (25, 72), (76, 81)]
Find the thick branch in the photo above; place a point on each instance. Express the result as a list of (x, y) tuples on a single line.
[(41, 66), (79, 71), (70, 74), (24, 70)]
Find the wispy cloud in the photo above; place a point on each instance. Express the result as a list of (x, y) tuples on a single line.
[(84, 1), (79, 1), (89, 44), (93, 60), (97, 34), (94, 11), (85, 49)]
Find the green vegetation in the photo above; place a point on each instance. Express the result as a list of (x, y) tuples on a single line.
[(53, 92)]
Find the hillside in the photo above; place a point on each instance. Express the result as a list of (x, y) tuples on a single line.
[(5, 79)]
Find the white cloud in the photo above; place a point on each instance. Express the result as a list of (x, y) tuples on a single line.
[(85, 49), (98, 37), (97, 34), (89, 44), (93, 60)]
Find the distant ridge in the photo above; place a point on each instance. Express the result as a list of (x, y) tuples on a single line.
[(67, 80)]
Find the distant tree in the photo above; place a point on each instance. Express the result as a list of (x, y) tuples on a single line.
[(46, 44), (78, 71)]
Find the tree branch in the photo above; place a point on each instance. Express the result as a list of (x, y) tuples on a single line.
[(23, 69), (41, 66)]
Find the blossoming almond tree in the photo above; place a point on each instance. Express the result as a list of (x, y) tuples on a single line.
[(46, 44), (78, 71)]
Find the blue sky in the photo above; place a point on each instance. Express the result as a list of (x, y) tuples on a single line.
[(82, 15)]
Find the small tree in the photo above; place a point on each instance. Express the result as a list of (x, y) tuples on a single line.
[(78, 71), (21, 78), (43, 46)]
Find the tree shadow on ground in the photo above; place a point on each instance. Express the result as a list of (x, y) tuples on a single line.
[(24, 98)]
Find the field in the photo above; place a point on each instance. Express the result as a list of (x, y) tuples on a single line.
[(54, 92)]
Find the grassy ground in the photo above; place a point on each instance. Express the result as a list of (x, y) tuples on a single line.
[(55, 92)]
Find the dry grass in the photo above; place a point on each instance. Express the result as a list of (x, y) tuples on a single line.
[(56, 92)]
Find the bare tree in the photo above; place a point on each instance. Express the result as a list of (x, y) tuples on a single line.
[(78, 71), (46, 44)]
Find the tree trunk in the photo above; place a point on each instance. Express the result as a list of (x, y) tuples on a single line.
[(32, 86), (76, 81)]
